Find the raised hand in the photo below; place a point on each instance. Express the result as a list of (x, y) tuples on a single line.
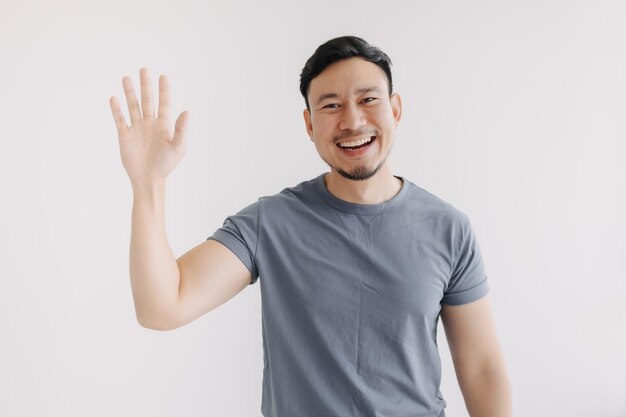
[(149, 149)]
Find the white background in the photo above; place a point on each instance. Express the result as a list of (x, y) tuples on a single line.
[(514, 112)]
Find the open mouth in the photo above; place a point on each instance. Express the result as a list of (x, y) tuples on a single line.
[(356, 144)]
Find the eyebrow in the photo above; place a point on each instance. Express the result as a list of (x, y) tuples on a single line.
[(359, 91)]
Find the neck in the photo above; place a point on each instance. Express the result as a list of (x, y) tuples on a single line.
[(381, 187)]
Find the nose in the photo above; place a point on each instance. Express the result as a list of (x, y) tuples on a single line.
[(352, 118)]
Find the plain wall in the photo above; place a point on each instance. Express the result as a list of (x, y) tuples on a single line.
[(514, 112)]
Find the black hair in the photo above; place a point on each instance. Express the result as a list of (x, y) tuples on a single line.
[(338, 49)]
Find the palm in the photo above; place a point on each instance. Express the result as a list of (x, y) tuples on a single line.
[(148, 149), (148, 141)]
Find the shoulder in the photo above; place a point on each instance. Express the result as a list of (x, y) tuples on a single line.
[(301, 195), (435, 207), (287, 196)]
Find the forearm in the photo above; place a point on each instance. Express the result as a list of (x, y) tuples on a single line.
[(488, 394), (154, 272)]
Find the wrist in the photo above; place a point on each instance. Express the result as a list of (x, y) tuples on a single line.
[(142, 189)]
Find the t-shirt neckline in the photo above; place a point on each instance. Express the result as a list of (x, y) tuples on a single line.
[(361, 208)]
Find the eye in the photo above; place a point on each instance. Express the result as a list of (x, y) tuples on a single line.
[(331, 106), (369, 99)]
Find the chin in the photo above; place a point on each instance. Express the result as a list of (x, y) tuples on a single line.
[(360, 173)]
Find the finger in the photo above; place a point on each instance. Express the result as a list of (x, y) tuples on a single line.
[(147, 108), (118, 116), (180, 130), (131, 99), (164, 97)]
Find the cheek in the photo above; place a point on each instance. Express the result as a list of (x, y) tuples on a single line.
[(382, 113), (320, 148), (321, 129), (385, 119)]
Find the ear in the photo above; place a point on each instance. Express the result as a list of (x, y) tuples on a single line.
[(308, 123), (396, 107)]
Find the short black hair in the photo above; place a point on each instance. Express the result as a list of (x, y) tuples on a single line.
[(338, 49)]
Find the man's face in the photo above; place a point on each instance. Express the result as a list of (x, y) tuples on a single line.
[(350, 106)]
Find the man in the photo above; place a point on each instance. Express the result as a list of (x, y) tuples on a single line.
[(356, 265)]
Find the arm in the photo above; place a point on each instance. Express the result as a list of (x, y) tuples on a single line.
[(167, 293), (478, 360)]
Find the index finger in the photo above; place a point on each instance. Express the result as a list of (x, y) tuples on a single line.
[(164, 98)]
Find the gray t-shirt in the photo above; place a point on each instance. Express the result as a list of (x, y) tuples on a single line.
[(351, 296)]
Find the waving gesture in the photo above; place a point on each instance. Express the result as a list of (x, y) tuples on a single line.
[(149, 150)]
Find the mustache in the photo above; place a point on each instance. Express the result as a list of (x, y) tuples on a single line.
[(352, 133)]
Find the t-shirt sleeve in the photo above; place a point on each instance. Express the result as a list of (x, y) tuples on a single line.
[(239, 233), (468, 281)]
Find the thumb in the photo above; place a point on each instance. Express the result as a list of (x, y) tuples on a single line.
[(180, 130)]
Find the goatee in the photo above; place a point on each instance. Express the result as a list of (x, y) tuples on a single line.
[(360, 173)]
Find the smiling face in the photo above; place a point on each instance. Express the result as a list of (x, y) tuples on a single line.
[(352, 119)]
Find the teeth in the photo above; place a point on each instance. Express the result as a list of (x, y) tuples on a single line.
[(355, 143)]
